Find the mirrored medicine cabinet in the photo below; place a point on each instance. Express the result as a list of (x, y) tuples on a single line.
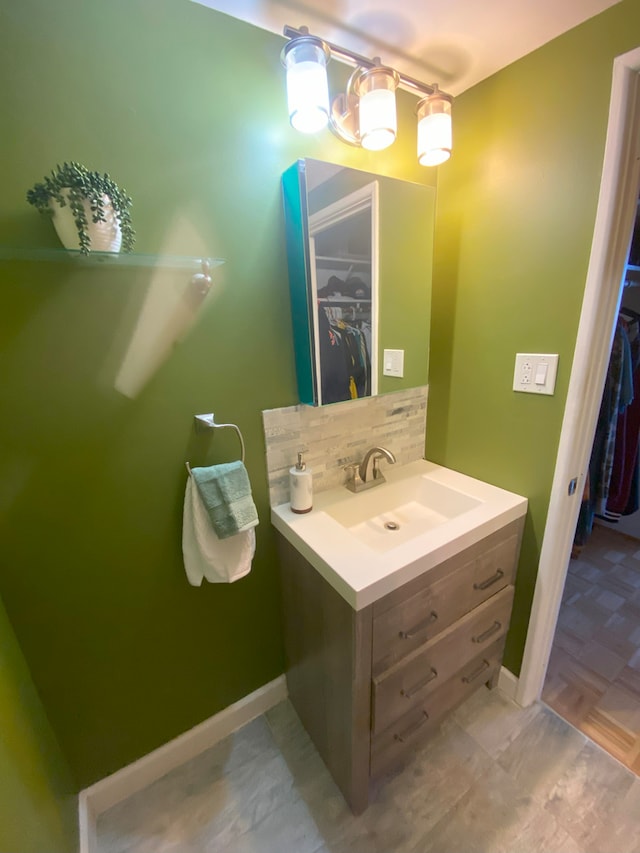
[(359, 250)]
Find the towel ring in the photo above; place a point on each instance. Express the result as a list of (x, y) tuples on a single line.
[(203, 423)]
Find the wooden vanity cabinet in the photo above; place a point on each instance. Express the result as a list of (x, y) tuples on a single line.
[(370, 684)]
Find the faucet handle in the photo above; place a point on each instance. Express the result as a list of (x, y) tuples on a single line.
[(354, 481)]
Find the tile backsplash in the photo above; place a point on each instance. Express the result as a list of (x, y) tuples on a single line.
[(332, 436)]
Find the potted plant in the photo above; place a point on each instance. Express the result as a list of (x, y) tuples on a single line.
[(89, 210)]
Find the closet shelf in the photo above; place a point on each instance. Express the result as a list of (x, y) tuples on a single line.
[(632, 274), (123, 260), (342, 300), (328, 262)]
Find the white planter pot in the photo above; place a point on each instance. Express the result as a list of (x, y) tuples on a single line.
[(104, 236)]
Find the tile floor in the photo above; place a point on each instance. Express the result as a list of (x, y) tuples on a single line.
[(495, 778), (593, 680)]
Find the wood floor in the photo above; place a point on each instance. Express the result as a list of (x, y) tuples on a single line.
[(593, 680)]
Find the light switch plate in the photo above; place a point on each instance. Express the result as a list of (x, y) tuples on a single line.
[(535, 373), (393, 362)]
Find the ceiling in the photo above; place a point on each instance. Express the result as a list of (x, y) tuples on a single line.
[(455, 43)]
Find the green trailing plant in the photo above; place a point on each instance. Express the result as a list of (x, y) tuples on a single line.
[(72, 184)]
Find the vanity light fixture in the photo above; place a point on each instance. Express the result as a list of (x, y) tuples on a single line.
[(307, 88), (375, 89), (365, 114), (434, 129)]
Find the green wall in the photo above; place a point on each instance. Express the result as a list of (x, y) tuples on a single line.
[(515, 217), (37, 809), (186, 109)]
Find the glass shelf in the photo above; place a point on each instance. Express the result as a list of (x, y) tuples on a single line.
[(115, 259)]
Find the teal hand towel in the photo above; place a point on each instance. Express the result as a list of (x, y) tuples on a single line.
[(226, 493)]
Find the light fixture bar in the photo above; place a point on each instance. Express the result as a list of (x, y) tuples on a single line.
[(405, 82)]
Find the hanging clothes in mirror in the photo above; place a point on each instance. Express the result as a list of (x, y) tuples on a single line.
[(344, 344)]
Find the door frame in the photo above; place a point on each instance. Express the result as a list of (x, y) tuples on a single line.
[(609, 250)]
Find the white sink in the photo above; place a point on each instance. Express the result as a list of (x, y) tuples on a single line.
[(370, 543), (391, 514)]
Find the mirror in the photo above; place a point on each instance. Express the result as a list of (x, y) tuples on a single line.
[(359, 251)]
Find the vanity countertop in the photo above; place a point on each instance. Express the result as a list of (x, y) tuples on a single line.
[(437, 513)]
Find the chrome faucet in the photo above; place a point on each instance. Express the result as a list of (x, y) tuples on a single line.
[(359, 477)]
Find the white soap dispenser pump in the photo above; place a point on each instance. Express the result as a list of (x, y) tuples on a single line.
[(300, 487)]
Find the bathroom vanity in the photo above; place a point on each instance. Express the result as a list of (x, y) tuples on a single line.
[(396, 602)]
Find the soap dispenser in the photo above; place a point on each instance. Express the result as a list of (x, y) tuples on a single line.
[(300, 487)]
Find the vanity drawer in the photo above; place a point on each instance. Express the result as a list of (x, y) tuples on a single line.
[(402, 737), (493, 570), (439, 598), (407, 684)]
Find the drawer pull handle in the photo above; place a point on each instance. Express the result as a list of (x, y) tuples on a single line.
[(409, 635), (412, 730), (488, 633), (409, 694), (489, 581), (476, 673)]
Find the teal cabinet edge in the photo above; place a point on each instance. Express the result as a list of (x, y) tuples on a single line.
[(296, 227)]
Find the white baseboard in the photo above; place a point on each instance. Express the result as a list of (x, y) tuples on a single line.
[(508, 683), (113, 789)]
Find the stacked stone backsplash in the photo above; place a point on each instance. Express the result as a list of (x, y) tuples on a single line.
[(332, 436)]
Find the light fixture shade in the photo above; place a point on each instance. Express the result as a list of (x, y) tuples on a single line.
[(376, 90), (305, 59), (434, 129)]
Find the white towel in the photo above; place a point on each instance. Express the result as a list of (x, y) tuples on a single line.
[(206, 556)]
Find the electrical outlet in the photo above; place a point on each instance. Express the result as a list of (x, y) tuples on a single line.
[(535, 373), (525, 372)]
